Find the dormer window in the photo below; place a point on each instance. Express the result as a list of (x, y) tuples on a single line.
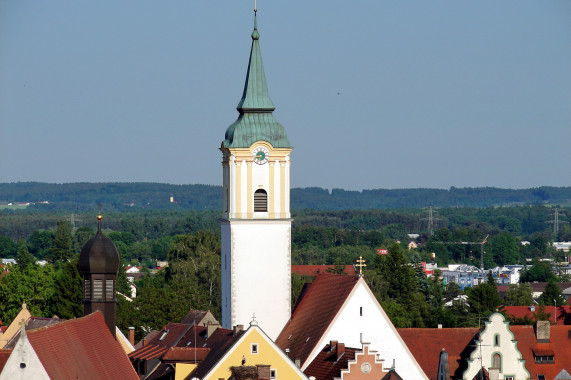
[(260, 201), (544, 359)]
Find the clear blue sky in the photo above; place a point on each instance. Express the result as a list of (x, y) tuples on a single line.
[(373, 94)]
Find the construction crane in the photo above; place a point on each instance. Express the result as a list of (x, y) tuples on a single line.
[(480, 243)]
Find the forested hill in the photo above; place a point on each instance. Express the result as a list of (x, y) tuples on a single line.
[(117, 196)]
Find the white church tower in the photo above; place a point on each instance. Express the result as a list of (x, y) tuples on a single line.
[(256, 224)]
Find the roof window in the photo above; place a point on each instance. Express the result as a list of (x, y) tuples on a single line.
[(165, 332)]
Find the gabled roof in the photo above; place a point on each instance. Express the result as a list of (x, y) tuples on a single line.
[(426, 345), (327, 366), (33, 323), (314, 270), (314, 312), (559, 346), (198, 317), (520, 312), (4, 355), (80, 348)]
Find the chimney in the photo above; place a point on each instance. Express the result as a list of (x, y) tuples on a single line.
[(494, 373), (238, 329), (340, 350), (542, 331), (210, 328), (263, 371), (132, 335)]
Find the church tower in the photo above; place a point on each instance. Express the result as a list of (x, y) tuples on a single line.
[(256, 224), (99, 263)]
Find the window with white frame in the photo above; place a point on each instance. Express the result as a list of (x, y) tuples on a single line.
[(254, 347)]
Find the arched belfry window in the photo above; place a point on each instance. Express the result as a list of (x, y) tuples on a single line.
[(260, 201)]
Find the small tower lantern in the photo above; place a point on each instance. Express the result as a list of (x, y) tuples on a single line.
[(99, 263)]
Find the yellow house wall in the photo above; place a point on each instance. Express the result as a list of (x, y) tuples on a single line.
[(182, 370), (267, 354)]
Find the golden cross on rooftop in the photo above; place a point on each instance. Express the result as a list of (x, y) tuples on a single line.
[(360, 264)]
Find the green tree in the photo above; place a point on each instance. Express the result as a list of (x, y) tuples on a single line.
[(24, 257), (551, 295), (66, 300), (519, 295), (40, 242), (504, 248), (61, 250), (402, 286), (483, 298), (33, 286), (7, 247), (540, 271)]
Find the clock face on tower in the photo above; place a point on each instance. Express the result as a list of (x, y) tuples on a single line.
[(260, 155)]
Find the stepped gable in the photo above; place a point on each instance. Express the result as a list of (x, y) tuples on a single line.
[(426, 345), (81, 348), (311, 316), (327, 365)]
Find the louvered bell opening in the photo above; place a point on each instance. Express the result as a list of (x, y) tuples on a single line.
[(260, 201), (97, 289), (87, 289), (109, 291)]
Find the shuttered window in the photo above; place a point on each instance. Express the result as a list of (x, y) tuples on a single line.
[(109, 293), (260, 201), (87, 289), (97, 289)]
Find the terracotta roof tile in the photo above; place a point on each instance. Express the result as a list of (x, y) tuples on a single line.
[(4, 355), (314, 270), (520, 312), (186, 354), (33, 323), (559, 344), (148, 352), (325, 366), (314, 312), (426, 345), (81, 348), (193, 317)]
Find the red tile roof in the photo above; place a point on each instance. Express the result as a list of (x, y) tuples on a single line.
[(314, 270), (186, 354), (325, 366), (4, 355), (314, 312), (426, 345), (521, 312), (193, 317), (33, 323), (559, 344), (81, 348)]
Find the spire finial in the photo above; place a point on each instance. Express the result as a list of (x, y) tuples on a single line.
[(99, 217)]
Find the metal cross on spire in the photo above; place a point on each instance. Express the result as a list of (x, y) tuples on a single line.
[(360, 264)]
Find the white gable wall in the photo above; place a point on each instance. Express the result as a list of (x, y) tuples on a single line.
[(512, 363), (375, 327), (24, 354)]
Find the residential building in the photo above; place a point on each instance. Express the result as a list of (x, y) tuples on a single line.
[(81, 348)]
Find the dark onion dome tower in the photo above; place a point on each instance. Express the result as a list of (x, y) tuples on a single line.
[(99, 263)]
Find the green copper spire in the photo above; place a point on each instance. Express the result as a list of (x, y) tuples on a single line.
[(256, 121)]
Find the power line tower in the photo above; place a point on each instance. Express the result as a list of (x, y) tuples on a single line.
[(556, 221), (431, 219)]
